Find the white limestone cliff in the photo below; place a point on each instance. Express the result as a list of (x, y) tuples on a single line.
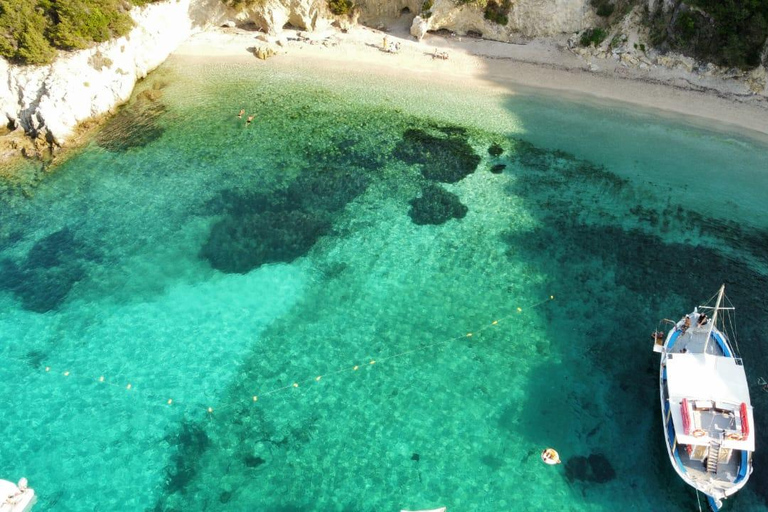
[(527, 18), (50, 101)]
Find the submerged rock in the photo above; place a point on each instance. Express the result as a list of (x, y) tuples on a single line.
[(240, 244), (42, 281), (253, 461), (446, 157), (498, 168), (495, 150), (136, 125), (278, 227), (190, 442), (436, 206)]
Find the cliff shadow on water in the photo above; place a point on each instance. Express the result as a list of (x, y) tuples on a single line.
[(626, 240)]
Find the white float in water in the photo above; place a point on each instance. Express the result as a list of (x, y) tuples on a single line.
[(16, 498), (550, 456)]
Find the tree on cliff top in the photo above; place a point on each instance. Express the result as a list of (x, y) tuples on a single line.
[(726, 32), (32, 30), (21, 33)]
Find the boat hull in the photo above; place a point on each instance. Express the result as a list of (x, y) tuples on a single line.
[(702, 420)]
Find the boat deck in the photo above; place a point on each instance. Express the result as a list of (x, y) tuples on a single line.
[(693, 340), (724, 478)]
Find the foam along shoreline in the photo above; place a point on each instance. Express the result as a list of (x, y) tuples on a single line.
[(544, 64)]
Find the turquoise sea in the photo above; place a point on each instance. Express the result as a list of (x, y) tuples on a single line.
[(377, 296)]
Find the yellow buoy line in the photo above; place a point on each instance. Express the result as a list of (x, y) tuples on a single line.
[(157, 400)]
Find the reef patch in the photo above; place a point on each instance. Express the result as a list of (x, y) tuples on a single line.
[(444, 155), (436, 206), (278, 227), (54, 264)]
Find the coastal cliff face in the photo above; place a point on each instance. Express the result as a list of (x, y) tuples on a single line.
[(49, 102), (527, 18)]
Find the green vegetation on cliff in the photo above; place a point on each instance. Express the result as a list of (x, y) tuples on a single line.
[(726, 32), (498, 11), (340, 7), (32, 30), (593, 37)]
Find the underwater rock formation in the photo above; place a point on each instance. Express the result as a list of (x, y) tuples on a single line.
[(191, 442), (498, 168), (281, 226), (238, 244), (436, 206), (444, 156), (135, 125), (495, 150), (52, 267)]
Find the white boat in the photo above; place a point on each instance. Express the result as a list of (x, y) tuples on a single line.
[(16, 498), (706, 410)]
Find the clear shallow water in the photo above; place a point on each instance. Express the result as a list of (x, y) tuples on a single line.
[(205, 262)]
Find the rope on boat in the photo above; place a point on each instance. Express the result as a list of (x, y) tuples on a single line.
[(697, 500), (166, 402)]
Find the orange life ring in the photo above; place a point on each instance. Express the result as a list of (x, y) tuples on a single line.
[(735, 436), (698, 433)]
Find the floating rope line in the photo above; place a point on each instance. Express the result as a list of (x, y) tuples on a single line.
[(166, 402), (156, 400)]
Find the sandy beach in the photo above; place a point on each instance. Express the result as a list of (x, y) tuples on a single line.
[(545, 64)]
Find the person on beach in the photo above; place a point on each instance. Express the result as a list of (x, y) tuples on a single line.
[(250, 120), (384, 44), (240, 115)]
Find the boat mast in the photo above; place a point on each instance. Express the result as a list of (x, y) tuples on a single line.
[(714, 317)]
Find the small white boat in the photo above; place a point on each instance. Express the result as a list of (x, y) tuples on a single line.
[(16, 497), (441, 509), (705, 405)]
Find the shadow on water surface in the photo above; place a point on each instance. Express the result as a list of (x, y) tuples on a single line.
[(618, 270)]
